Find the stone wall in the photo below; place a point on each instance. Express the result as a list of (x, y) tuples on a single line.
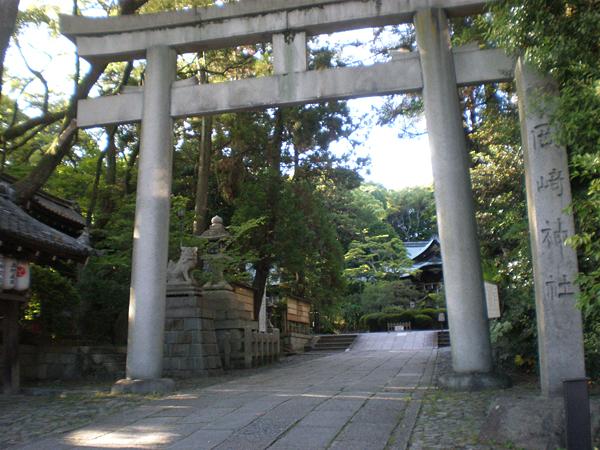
[(296, 342), (68, 362)]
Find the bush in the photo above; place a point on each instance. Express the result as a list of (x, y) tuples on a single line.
[(592, 346), (422, 322), (393, 309), (431, 312), (52, 309), (372, 321), (421, 319), (404, 316), (104, 290)]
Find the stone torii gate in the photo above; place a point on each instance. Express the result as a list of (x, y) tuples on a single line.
[(436, 70)]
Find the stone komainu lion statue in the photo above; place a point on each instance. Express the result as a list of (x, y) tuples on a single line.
[(179, 272)]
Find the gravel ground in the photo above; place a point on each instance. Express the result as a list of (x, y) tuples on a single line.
[(453, 420), (450, 419)]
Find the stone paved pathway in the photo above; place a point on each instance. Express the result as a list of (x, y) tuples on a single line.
[(373, 399), (352, 400), (395, 340)]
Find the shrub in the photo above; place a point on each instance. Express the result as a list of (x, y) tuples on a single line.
[(393, 309), (372, 321), (431, 312), (53, 304), (104, 289), (422, 322), (421, 319)]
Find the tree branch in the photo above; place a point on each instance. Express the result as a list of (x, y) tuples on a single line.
[(37, 177), (38, 75), (23, 127)]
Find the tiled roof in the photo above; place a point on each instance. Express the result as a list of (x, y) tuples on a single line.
[(66, 210), (20, 229), (416, 248), (417, 251), (50, 206)]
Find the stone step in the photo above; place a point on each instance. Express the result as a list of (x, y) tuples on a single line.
[(336, 338), (333, 342), (330, 346), (325, 350), (443, 338)]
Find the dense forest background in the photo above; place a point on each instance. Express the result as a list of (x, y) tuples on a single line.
[(299, 212)]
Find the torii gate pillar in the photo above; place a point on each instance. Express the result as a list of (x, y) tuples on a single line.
[(463, 278), (150, 245)]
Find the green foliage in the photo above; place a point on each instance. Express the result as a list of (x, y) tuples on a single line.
[(422, 321), (376, 258), (412, 213), (586, 206), (53, 306), (381, 295), (592, 345), (419, 319), (372, 321), (104, 289)]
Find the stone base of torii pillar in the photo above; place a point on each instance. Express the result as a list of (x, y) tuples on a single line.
[(457, 381), (145, 386)]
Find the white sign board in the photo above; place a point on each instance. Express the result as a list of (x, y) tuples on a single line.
[(492, 300)]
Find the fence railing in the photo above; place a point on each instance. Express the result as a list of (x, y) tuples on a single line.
[(252, 350), (261, 348), (400, 326)]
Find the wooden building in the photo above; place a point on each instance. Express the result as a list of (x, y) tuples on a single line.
[(47, 230), (426, 271), (291, 315)]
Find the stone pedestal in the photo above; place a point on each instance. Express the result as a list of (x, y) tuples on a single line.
[(190, 340), (560, 336)]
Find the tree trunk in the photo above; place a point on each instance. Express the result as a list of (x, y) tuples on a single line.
[(259, 284), (107, 197), (204, 157), (8, 17), (263, 266), (111, 156), (127, 185), (94, 196)]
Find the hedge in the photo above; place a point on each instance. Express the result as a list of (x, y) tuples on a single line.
[(420, 319)]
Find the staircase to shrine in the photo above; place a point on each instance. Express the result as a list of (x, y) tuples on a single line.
[(443, 338), (333, 342)]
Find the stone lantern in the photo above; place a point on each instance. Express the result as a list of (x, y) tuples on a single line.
[(214, 257)]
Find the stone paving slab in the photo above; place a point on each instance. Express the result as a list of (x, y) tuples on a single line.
[(354, 400), (395, 341), (304, 437), (320, 403)]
